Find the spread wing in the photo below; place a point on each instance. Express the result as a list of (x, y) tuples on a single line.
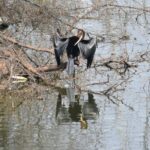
[(88, 48), (60, 45)]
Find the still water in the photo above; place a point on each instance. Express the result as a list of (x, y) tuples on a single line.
[(52, 119), (66, 118)]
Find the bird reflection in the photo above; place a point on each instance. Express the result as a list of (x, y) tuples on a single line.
[(72, 107)]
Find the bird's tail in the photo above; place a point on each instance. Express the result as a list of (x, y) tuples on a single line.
[(70, 66)]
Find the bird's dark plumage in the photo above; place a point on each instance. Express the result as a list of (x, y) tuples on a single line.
[(74, 46)]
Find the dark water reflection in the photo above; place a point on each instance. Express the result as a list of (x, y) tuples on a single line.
[(40, 123)]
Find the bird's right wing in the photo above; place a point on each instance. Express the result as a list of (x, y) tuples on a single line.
[(60, 45), (88, 48)]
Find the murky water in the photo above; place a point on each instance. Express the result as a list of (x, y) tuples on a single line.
[(88, 119)]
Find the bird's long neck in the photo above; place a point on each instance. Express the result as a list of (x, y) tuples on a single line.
[(80, 36)]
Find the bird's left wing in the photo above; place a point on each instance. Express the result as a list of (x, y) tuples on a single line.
[(88, 48), (60, 45)]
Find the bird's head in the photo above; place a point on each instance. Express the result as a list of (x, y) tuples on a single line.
[(80, 35)]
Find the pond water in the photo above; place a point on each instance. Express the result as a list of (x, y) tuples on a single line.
[(112, 109)]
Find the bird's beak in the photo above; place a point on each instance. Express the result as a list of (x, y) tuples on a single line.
[(78, 40)]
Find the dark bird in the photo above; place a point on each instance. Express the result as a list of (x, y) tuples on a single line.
[(73, 47), (3, 26)]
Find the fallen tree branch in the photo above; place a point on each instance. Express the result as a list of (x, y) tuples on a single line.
[(13, 54), (14, 41), (38, 70)]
